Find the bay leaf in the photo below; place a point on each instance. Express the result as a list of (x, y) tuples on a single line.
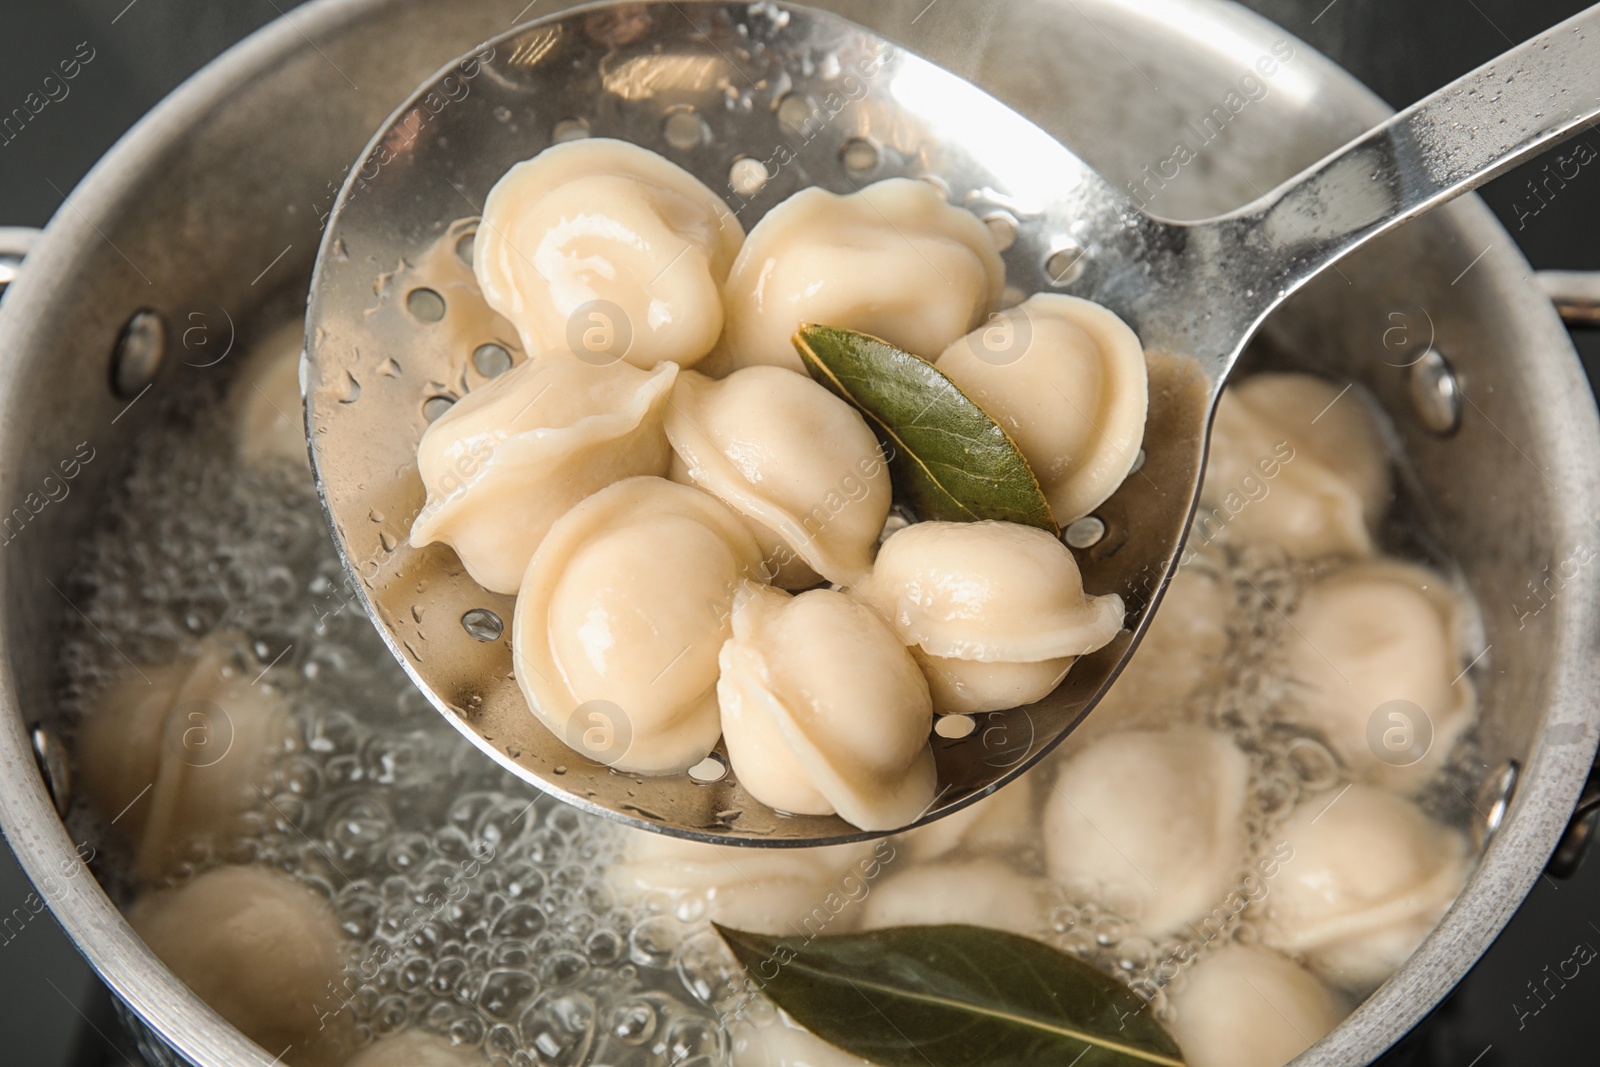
[(954, 996), (949, 460)]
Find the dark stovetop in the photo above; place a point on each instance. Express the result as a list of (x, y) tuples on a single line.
[(54, 1013)]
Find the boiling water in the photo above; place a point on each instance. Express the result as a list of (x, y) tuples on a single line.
[(475, 908)]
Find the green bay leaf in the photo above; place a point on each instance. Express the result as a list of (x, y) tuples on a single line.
[(950, 460), (954, 996)]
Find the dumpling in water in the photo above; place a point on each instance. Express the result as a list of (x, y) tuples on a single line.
[(1005, 821), (994, 612), (620, 618), (1065, 378), (797, 462), (1371, 876), (512, 457), (262, 950), (417, 1048), (894, 260), (1150, 824), (982, 892), (172, 754), (1297, 462), (271, 418), (823, 710), (1242, 1006), (1184, 653), (805, 891), (1376, 661), (608, 250), (782, 1042)]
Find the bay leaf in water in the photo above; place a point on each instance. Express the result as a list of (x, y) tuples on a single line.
[(954, 996)]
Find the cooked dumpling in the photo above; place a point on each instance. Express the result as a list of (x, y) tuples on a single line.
[(1065, 378), (173, 753), (823, 710), (1297, 462), (1370, 877), (782, 1042), (606, 221), (511, 457), (262, 950), (796, 461), (1004, 821), (762, 890), (1150, 824), (894, 260), (271, 417), (981, 892), (1375, 658), (620, 618), (417, 1048), (1242, 1006), (995, 612), (1183, 653)]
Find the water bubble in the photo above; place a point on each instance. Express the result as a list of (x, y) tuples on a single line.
[(520, 921), (560, 1027)]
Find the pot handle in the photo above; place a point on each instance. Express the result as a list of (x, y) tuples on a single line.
[(1576, 295), (15, 241)]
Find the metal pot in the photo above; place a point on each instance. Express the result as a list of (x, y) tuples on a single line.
[(212, 205)]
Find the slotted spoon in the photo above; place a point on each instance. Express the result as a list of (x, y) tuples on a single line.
[(760, 100)]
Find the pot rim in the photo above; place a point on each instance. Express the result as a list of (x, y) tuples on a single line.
[(27, 813), (1549, 782)]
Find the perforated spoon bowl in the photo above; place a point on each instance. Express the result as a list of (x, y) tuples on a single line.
[(760, 100)]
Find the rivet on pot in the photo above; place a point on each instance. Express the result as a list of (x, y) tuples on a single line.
[(138, 355), (1435, 392), (53, 767), (1494, 799)]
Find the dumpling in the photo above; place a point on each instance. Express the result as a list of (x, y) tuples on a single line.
[(823, 710), (1151, 824), (620, 618), (417, 1048), (981, 892), (1243, 1006), (608, 250), (995, 612), (805, 891), (262, 950), (271, 417), (1294, 462), (512, 457), (894, 260), (1375, 661), (1065, 378), (1184, 652), (1370, 876), (172, 754), (782, 1042), (1004, 821), (796, 461)]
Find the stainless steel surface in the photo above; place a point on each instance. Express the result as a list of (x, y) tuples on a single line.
[(232, 174), (1576, 294), (644, 66)]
